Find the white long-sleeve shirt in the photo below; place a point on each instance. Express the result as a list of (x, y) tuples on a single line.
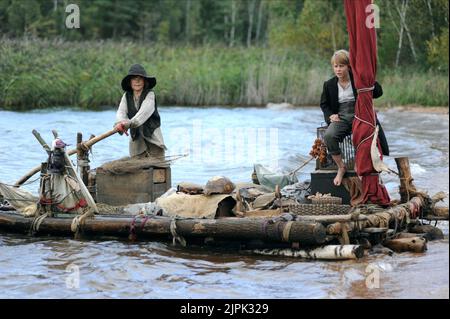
[(146, 109), (345, 94)]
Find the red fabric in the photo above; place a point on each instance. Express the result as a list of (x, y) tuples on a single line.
[(81, 203), (363, 61), (48, 201)]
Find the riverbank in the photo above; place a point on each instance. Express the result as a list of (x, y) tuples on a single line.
[(42, 74)]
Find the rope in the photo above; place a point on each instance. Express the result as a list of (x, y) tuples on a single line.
[(175, 235), (84, 147), (364, 121), (287, 231), (16, 199), (27, 183), (301, 166), (75, 225), (78, 220), (264, 227), (395, 228), (366, 89), (83, 163), (344, 234), (365, 139), (36, 223), (133, 235), (356, 222), (168, 159)]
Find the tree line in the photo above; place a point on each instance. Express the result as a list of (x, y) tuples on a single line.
[(412, 32)]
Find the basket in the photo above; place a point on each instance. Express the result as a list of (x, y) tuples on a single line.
[(327, 200), (319, 209)]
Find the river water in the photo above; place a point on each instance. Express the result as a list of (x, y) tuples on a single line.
[(218, 141)]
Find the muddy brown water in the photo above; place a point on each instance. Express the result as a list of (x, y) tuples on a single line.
[(67, 268)]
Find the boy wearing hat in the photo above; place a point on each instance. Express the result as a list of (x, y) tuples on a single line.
[(138, 112)]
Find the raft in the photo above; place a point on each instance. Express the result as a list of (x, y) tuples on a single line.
[(267, 224), (161, 227), (345, 236)]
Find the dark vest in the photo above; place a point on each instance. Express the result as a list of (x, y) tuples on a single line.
[(153, 122)]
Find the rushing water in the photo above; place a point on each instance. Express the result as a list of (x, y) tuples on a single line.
[(219, 141)]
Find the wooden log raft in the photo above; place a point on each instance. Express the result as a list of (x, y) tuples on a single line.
[(233, 228), (328, 252)]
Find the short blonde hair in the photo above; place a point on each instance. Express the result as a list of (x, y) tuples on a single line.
[(340, 57)]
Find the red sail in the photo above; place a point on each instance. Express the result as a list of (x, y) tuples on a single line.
[(363, 60)]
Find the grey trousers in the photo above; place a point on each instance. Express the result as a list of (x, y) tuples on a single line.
[(153, 152), (335, 134), (336, 131)]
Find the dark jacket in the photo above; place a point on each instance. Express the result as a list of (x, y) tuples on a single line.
[(153, 122), (329, 103)]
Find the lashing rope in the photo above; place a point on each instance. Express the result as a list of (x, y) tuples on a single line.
[(176, 237), (36, 223), (287, 231), (133, 235)]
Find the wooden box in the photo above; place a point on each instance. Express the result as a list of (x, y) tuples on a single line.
[(138, 187), (322, 182)]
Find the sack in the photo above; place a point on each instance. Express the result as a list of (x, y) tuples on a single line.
[(219, 185), (190, 188)]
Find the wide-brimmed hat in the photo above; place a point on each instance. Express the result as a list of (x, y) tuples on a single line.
[(137, 69)]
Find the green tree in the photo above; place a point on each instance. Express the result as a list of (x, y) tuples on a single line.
[(23, 17), (438, 51)]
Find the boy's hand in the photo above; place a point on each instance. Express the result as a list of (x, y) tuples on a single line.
[(334, 118), (122, 127)]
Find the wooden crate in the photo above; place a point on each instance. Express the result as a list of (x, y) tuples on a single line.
[(139, 187)]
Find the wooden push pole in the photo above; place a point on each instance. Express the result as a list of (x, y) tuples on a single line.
[(82, 159)]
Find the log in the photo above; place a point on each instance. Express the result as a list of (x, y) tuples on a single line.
[(329, 219), (409, 235), (87, 144), (407, 188), (41, 141), (324, 219), (432, 233), (413, 244), (380, 249), (440, 212), (231, 228), (329, 252), (262, 213), (306, 233)]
